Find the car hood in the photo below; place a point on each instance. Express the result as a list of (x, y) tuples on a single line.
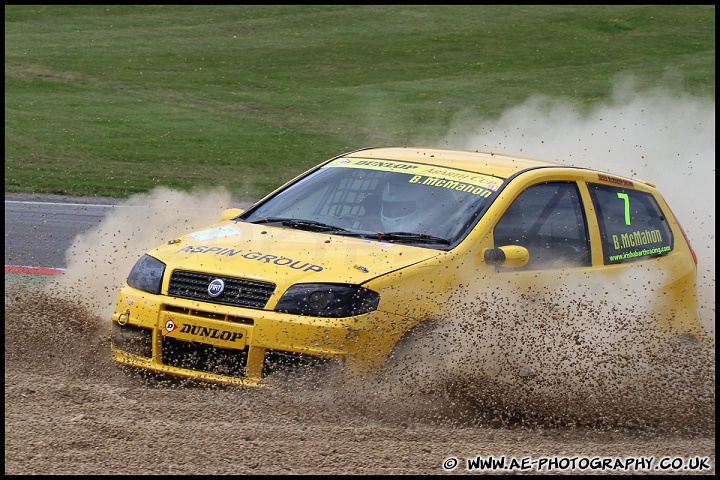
[(286, 256)]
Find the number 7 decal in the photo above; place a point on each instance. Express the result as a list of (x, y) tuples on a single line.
[(625, 198)]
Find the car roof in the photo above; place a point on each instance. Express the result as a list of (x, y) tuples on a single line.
[(498, 164)]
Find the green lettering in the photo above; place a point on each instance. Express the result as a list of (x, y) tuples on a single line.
[(626, 199)]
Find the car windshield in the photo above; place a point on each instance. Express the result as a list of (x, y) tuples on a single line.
[(428, 205)]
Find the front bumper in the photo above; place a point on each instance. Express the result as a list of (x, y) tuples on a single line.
[(242, 346)]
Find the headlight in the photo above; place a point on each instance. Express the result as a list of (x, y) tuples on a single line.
[(327, 300), (147, 274)]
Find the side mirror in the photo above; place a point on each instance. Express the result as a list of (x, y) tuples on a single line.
[(231, 213), (511, 256)]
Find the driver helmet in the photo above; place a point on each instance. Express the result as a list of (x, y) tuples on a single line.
[(400, 210)]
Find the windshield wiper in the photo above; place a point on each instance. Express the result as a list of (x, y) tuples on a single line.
[(310, 225), (272, 220), (412, 238), (314, 226)]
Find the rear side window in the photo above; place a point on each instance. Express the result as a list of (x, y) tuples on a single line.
[(632, 225), (548, 220)]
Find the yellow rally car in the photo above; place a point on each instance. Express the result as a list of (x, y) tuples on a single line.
[(342, 262)]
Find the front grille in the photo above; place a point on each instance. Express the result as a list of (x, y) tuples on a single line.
[(239, 292), (204, 358)]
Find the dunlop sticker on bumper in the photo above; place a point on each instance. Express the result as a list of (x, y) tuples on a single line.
[(213, 333)]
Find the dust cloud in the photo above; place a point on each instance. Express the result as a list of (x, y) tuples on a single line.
[(99, 260), (570, 349), (528, 362)]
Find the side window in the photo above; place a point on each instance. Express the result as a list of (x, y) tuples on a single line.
[(548, 220), (632, 225)]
